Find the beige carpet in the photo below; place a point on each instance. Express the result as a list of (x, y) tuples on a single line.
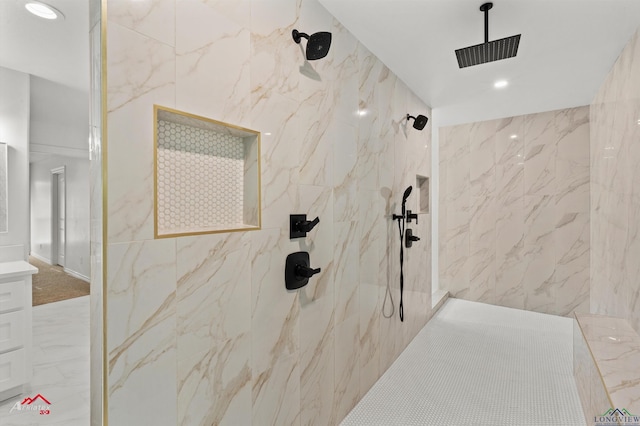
[(52, 284)]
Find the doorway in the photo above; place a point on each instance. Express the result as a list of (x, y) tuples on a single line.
[(58, 216), (54, 114)]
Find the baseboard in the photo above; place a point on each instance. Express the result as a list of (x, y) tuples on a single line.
[(71, 272), (40, 258), (77, 275)]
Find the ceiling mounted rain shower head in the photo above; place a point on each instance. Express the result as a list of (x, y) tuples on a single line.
[(488, 51), (318, 44), (419, 122)]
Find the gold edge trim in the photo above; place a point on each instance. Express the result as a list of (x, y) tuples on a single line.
[(105, 209), (221, 231), (259, 180), (593, 359), (199, 117), (155, 171)]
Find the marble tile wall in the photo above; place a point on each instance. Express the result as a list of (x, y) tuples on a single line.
[(612, 358), (514, 212), (593, 394), (615, 193), (203, 327)]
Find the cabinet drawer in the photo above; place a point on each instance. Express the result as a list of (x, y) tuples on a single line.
[(12, 295), (12, 330), (12, 369)]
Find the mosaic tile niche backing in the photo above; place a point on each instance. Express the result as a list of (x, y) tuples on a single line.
[(200, 179)]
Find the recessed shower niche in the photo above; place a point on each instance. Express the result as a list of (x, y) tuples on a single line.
[(207, 175), (422, 183)]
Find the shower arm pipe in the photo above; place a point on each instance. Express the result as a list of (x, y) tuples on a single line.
[(485, 8), (486, 25)]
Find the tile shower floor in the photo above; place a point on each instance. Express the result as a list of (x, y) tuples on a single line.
[(60, 366), (473, 364), (478, 364)]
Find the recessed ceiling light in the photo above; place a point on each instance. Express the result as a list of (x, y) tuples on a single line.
[(43, 10), (500, 84), (514, 136)]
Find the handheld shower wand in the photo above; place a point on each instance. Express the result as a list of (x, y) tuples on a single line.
[(406, 194), (401, 226), (401, 217)]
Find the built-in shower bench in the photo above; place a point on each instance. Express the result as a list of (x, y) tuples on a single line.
[(606, 366)]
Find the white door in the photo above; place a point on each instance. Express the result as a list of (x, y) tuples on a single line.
[(61, 218), (58, 216)]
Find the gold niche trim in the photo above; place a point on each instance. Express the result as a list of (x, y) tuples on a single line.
[(234, 129)]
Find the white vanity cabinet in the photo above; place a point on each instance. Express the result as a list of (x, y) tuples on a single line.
[(15, 327)]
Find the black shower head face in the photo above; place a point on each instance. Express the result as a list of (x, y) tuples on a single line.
[(419, 122), (488, 52), (406, 194), (318, 45)]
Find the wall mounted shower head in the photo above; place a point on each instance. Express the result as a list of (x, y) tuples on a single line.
[(317, 44), (419, 122)]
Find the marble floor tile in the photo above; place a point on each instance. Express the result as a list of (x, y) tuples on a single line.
[(60, 366)]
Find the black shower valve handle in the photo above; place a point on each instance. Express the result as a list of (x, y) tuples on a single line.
[(305, 271), (409, 238), (307, 226), (299, 225), (411, 216), (297, 270)]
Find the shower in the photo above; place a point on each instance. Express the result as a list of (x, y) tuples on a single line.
[(418, 123), (318, 44), (488, 51), (406, 194), (402, 220)]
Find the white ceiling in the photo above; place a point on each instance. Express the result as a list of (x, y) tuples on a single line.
[(566, 50), (54, 50)]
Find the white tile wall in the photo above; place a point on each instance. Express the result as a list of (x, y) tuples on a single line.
[(615, 193), (514, 219), (247, 350)]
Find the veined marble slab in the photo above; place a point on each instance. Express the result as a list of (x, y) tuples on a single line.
[(615, 348)]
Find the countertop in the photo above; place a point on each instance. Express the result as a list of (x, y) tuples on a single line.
[(16, 269)]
